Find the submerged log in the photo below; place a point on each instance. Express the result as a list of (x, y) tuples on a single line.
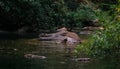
[(82, 59), (32, 56)]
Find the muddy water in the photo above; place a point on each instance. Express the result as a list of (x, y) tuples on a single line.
[(59, 56)]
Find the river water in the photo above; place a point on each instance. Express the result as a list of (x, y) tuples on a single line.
[(59, 56)]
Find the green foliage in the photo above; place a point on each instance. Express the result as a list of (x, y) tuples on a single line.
[(43, 14), (83, 50), (17, 13), (104, 42), (83, 13), (35, 14), (71, 4)]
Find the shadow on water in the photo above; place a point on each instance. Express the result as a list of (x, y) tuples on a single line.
[(15, 35), (59, 56)]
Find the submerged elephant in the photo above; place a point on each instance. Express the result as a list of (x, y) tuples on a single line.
[(71, 37), (63, 35)]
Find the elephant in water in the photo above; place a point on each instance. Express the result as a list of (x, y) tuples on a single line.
[(63, 35), (71, 37)]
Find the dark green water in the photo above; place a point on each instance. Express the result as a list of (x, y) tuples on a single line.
[(59, 56)]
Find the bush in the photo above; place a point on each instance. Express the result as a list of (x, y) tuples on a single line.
[(42, 14), (35, 14), (84, 13), (105, 42)]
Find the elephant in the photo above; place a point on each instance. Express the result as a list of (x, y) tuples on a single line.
[(63, 35)]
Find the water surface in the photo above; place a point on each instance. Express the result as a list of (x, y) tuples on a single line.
[(59, 56)]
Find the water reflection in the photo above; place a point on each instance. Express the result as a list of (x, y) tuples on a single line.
[(59, 56)]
